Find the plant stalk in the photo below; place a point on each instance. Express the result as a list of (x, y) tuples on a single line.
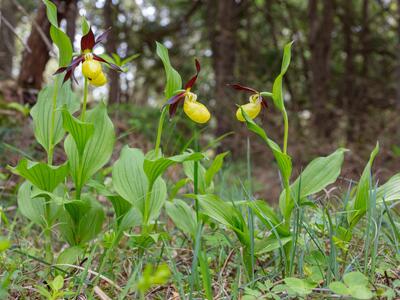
[(196, 175), (159, 130), (52, 123), (85, 96)]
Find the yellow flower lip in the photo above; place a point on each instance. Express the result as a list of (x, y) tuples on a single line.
[(100, 80), (91, 68), (195, 110), (252, 109)]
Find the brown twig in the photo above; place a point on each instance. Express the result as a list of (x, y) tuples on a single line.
[(9, 26)]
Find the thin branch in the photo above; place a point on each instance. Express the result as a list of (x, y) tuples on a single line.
[(9, 26)]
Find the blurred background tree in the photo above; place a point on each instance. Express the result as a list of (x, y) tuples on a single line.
[(342, 89)]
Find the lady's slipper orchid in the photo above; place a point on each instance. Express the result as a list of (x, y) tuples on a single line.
[(91, 63), (253, 108), (195, 110)]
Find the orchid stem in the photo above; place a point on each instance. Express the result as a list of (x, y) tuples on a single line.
[(52, 123), (286, 130), (196, 174), (85, 95), (159, 130), (286, 182)]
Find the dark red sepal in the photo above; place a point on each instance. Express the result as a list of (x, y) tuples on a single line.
[(88, 41), (60, 70), (112, 66), (240, 87), (70, 68), (102, 37), (172, 109), (173, 103), (68, 75), (192, 80), (176, 98), (264, 102)]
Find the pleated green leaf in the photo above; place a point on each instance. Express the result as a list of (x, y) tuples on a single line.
[(41, 113), (155, 168), (225, 214), (120, 205), (80, 131), (390, 191), (174, 81), (98, 148), (42, 175), (35, 208), (277, 94), (269, 218), (131, 183), (188, 168), (214, 168), (321, 172), (81, 221), (183, 216), (359, 205), (59, 37)]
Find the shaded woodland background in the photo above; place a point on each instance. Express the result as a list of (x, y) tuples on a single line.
[(342, 88)]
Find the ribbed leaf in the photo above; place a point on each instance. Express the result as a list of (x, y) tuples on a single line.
[(80, 131), (286, 57), (70, 255), (98, 148), (81, 221), (77, 209), (35, 208), (390, 191), (360, 204), (214, 168), (268, 216), (271, 243), (183, 216), (120, 205), (321, 172), (42, 175), (174, 81), (188, 168), (155, 168), (59, 37), (277, 94), (225, 214), (131, 183), (42, 110)]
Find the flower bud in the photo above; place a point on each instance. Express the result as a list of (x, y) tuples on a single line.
[(251, 109), (100, 80), (91, 68), (196, 111)]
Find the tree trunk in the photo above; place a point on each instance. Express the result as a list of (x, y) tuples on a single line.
[(110, 11), (223, 23), (348, 92), (398, 57), (321, 27), (71, 15), (34, 63), (7, 46)]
